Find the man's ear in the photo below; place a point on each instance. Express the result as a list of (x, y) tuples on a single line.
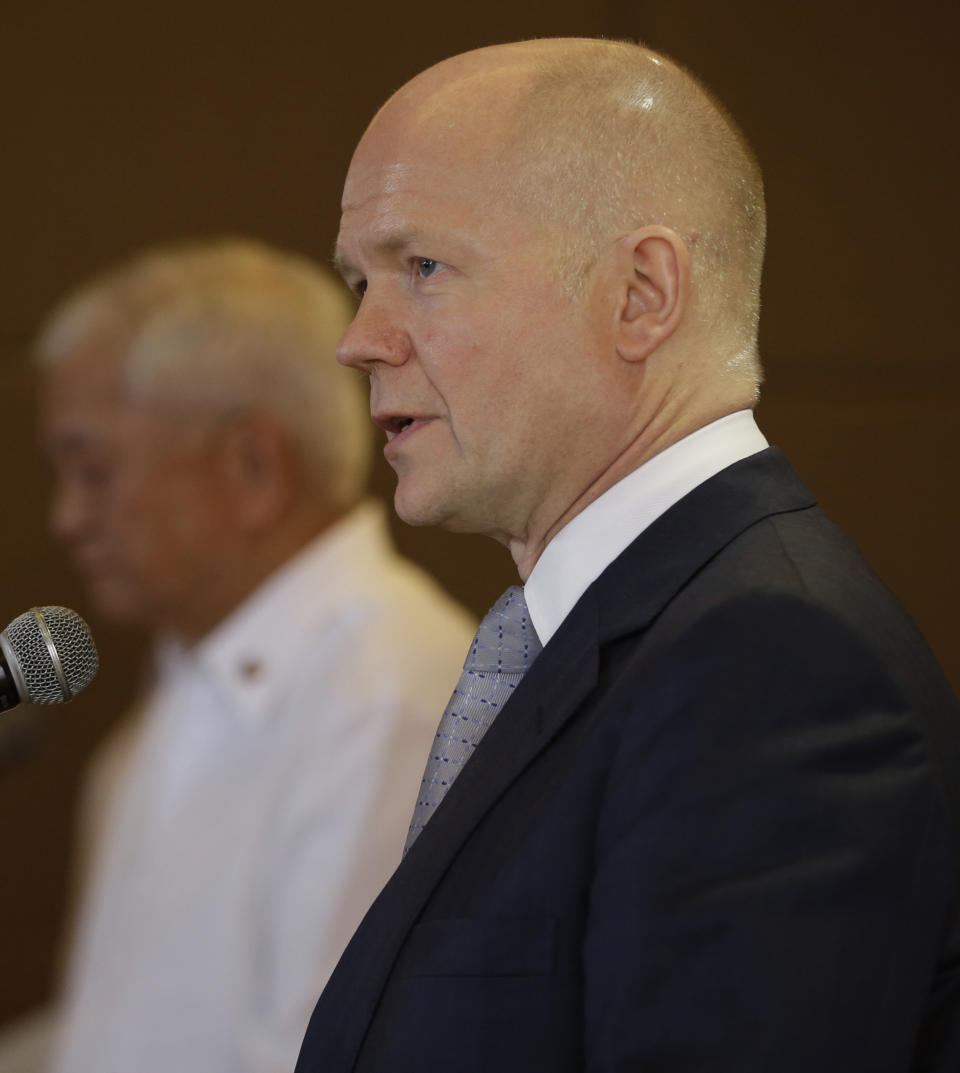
[(260, 467), (653, 272)]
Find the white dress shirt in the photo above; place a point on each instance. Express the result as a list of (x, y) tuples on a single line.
[(588, 544), (259, 806)]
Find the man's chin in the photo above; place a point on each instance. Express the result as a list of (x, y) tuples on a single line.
[(418, 509), (115, 604), (414, 512)]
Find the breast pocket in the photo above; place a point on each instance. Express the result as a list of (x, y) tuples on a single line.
[(469, 947)]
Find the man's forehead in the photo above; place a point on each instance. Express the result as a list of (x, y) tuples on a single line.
[(395, 186), (86, 395), (80, 423), (92, 367), (455, 118), (367, 180)]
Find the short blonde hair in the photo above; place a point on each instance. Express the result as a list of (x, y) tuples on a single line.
[(231, 325)]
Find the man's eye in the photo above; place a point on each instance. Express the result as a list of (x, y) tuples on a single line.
[(426, 267)]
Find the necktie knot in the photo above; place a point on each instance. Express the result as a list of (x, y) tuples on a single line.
[(506, 642)]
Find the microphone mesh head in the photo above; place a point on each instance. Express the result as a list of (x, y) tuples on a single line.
[(74, 646)]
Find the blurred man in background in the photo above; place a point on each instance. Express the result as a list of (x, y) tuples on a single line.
[(211, 460)]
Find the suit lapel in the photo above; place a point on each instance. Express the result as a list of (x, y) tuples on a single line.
[(625, 599), (546, 697)]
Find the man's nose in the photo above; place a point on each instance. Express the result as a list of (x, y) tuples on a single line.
[(374, 337), (68, 512)]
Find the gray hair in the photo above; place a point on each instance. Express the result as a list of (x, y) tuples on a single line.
[(231, 325)]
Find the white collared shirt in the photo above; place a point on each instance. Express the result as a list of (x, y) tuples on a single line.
[(260, 806), (586, 546)]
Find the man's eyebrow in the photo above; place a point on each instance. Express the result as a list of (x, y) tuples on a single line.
[(388, 243), (69, 441)]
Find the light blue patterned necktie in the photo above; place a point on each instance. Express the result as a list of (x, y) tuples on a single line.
[(504, 647)]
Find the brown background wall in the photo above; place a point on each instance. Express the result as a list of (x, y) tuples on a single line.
[(124, 124)]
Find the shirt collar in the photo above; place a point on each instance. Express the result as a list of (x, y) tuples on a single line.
[(251, 654), (586, 545)]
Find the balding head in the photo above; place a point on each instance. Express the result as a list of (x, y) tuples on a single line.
[(557, 245), (593, 139)]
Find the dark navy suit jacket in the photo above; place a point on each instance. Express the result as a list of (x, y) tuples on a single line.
[(715, 830)]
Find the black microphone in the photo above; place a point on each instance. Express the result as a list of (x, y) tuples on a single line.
[(47, 656)]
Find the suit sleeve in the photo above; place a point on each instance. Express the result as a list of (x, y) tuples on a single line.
[(774, 865)]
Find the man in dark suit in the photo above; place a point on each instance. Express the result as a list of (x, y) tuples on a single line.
[(716, 826)]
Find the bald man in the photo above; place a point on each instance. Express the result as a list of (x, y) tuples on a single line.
[(713, 823)]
